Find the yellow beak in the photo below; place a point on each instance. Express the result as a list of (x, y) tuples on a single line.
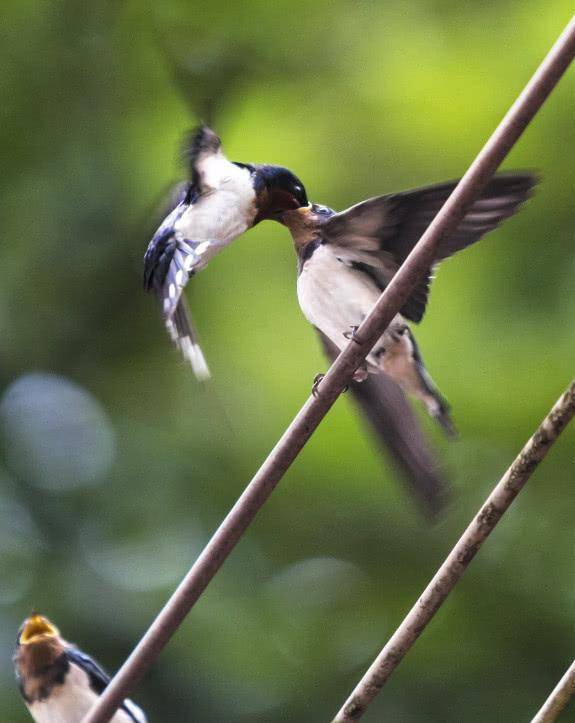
[(37, 628)]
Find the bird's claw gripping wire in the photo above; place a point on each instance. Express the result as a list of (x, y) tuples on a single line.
[(316, 382), (352, 334)]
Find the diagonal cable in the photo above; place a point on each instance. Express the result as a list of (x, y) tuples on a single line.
[(458, 560), (558, 698)]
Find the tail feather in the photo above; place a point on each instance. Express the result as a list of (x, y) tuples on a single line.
[(435, 403), (398, 433), (184, 335), (439, 410)]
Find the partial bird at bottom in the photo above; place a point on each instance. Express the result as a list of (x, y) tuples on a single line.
[(60, 683)]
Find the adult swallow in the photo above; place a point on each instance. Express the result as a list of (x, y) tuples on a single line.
[(346, 259), (220, 201), (60, 683)]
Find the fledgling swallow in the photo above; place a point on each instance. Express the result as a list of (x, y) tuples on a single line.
[(60, 683), (346, 259), (220, 201)]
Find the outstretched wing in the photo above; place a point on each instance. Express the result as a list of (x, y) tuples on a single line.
[(387, 228), (168, 264), (174, 254)]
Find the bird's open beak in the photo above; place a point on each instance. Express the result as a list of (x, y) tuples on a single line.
[(291, 213), (37, 628)]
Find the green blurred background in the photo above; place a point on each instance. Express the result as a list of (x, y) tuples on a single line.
[(117, 465)]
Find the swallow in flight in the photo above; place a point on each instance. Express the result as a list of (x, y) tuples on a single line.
[(220, 201)]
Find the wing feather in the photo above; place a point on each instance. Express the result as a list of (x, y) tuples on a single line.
[(99, 681), (168, 264), (386, 228)]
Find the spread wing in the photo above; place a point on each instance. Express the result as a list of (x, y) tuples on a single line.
[(168, 264), (397, 432), (173, 255), (384, 230)]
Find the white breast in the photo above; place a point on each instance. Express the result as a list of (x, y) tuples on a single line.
[(226, 210), (70, 702), (333, 296)]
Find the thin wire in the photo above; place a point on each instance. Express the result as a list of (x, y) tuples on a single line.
[(558, 699), (456, 563)]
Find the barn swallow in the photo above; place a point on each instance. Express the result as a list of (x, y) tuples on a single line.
[(60, 683), (220, 201), (346, 259)]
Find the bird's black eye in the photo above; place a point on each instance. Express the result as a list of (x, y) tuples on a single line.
[(299, 193)]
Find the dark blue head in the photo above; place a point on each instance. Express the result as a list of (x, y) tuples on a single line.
[(277, 190)]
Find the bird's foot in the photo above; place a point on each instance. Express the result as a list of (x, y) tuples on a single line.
[(398, 332), (316, 382), (351, 334), (360, 374)]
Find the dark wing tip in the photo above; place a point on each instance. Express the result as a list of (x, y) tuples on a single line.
[(503, 196), (97, 676), (524, 176), (520, 182), (443, 418), (157, 259), (200, 140), (167, 269)]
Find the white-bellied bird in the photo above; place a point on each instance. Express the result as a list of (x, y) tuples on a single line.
[(220, 201), (346, 259), (60, 683)]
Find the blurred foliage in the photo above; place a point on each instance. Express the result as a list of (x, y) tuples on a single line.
[(118, 466)]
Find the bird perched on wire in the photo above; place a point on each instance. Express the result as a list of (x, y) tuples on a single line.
[(346, 259), (60, 683), (221, 200)]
